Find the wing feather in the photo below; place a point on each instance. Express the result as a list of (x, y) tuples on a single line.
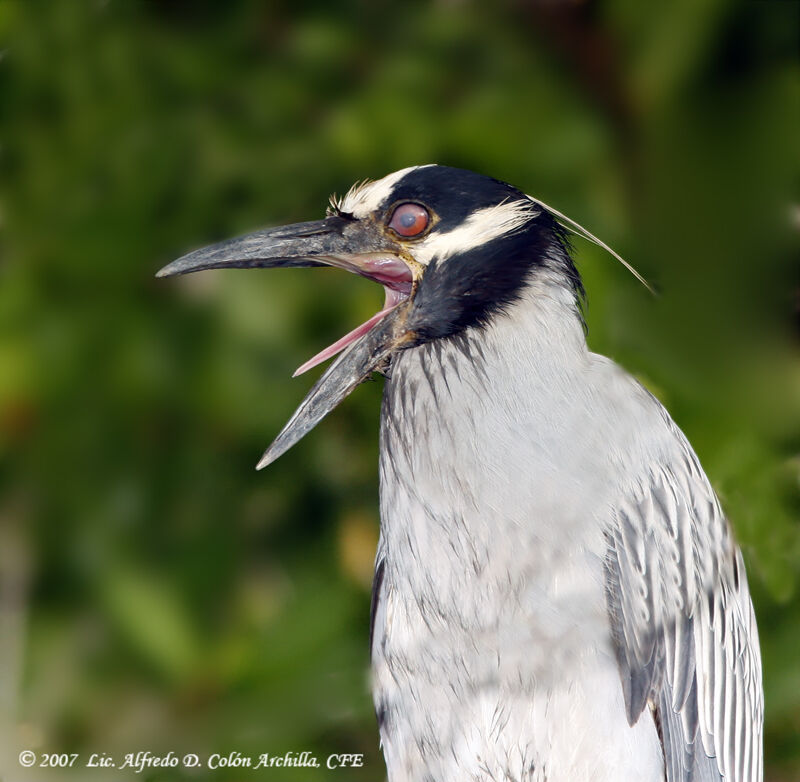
[(683, 626)]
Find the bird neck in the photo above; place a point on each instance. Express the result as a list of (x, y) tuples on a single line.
[(523, 356), (460, 419), (457, 404)]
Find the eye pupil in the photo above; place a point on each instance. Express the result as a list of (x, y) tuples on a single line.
[(409, 220)]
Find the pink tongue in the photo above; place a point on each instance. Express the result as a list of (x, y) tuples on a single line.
[(392, 300)]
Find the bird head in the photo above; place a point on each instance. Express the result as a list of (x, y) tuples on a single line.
[(452, 249)]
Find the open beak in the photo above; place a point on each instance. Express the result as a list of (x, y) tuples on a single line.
[(357, 246)]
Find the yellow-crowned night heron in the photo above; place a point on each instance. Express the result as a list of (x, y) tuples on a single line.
[(557, 593)]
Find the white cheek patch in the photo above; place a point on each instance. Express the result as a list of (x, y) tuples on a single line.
[(365, 198), (479, 228)]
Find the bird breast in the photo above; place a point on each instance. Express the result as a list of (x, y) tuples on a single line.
[(501, 455)]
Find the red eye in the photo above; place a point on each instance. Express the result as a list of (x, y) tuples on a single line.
[(409, 220)]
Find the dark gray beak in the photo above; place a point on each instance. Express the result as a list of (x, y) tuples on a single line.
[(290, 245), (359, 247)]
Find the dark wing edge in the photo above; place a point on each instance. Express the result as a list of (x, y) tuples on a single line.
[(683, 626), (376, 600), (377, 619)]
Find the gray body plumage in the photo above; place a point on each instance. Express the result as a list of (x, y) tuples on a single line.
[(558, 585), (557, 597)]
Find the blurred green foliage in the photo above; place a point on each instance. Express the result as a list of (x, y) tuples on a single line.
[(155, 592)]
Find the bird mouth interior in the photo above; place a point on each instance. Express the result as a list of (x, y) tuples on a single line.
[(387, 269)]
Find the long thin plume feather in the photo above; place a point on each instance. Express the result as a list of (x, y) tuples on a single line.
[(578, 229)]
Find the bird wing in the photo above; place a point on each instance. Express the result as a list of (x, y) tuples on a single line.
[(683, 626)]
